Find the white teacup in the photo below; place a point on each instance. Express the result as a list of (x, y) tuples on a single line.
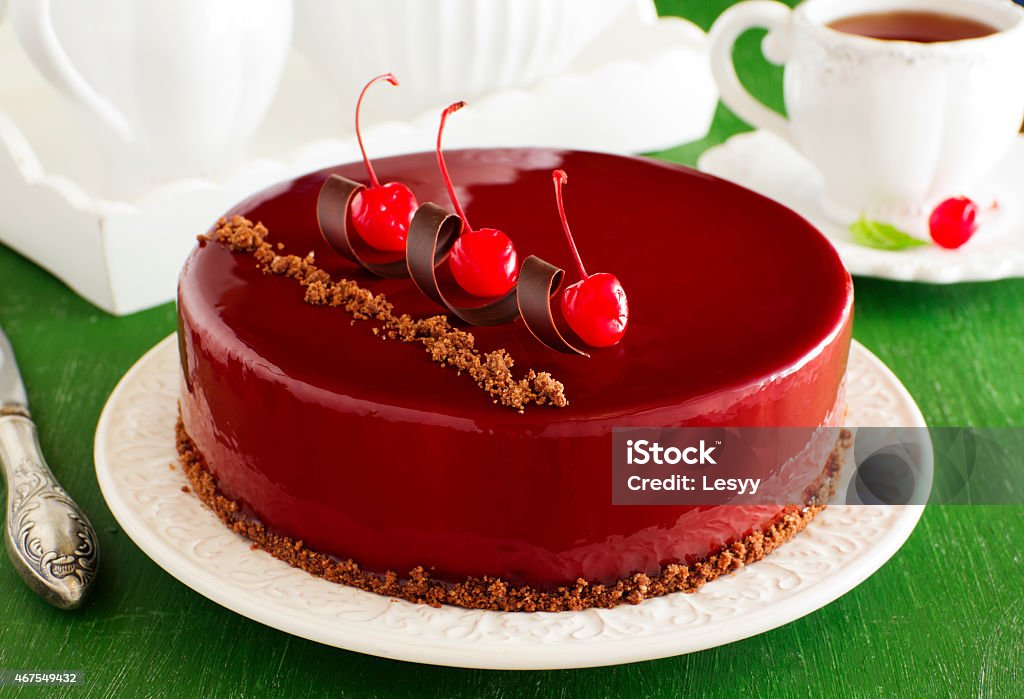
[(893, 127), (168, 88)]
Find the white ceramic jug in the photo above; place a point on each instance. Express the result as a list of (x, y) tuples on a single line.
[(446, 50)]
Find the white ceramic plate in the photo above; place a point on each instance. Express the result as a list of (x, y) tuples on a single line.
[(838, 551), (766, 164)]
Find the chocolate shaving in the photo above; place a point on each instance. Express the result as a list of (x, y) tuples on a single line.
[(538, 283), (432, 233), (332, 207)]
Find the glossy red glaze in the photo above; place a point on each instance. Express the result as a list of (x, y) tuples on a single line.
[(740, 315)]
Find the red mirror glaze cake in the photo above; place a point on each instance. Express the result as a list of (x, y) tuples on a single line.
[(358, 457)]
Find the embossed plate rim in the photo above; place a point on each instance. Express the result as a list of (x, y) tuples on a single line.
[(287, 599)]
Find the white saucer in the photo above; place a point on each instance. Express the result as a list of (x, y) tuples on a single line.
[(766, 164), (838, 551)]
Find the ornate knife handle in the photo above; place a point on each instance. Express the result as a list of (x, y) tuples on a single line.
[(49, 539)]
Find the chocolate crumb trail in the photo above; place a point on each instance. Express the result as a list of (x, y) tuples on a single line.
[(493, 593), (446, 345)]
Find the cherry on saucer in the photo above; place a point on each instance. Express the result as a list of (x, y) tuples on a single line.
[(953, 222)]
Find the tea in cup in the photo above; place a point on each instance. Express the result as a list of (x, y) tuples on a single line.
[(898, 104)]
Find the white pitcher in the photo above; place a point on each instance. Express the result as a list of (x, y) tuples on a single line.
[(446, 50), (168, 88)]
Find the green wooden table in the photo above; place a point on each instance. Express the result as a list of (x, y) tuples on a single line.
[(944, 617)]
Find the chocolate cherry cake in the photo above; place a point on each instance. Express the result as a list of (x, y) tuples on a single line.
[(350, 426)]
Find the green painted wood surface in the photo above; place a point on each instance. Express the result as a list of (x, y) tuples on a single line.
[(944, 617)]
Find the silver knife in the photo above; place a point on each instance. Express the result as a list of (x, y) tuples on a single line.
[(49, 539)]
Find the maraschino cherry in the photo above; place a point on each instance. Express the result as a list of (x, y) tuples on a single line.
[(953, 222), (381, 213), (482, 260), (595, 307)]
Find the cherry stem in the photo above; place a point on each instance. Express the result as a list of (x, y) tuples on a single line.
[(451, 109), (560, 179), (374, 182)]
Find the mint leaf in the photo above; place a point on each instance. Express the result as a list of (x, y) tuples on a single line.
[(882, 236)]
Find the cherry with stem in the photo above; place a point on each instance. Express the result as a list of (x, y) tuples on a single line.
[(381, 213), (483, 261), (595, 307)]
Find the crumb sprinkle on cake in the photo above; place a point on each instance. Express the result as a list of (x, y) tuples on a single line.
[(447, 345)]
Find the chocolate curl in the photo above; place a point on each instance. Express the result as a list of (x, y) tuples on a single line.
[(432, 233), (539, 281), (332, 207)]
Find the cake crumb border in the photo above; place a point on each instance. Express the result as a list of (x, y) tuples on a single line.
[(494, 594)]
